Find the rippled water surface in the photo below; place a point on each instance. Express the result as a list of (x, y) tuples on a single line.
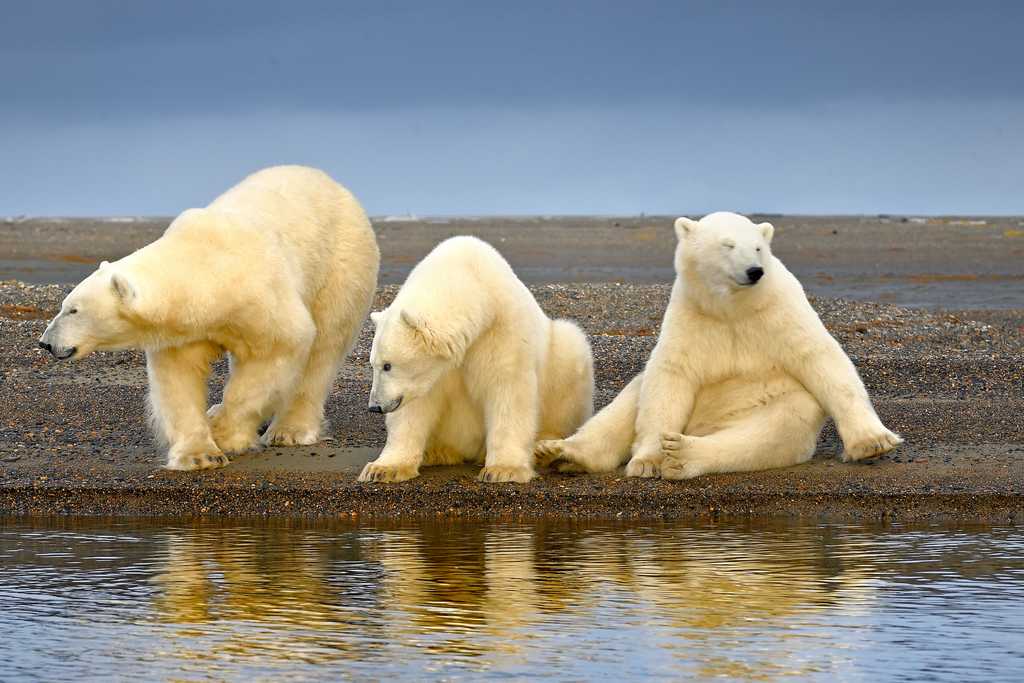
[(175, 600)]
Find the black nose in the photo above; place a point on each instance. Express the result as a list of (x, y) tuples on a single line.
[(754, 274), (376, 409), (45, 346)]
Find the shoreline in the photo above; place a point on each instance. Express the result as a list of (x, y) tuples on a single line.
[(75, 441), (73, 437)]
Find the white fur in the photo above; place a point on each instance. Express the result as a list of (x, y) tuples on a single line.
[(477, 370), (279, 271), (742, 377)]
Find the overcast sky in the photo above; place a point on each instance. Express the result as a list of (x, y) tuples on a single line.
[(481, 107)]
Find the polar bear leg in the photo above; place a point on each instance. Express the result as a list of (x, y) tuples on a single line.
[(782, 433), (260, 384), (252, 391), (510, 414), (301, 419), (665, 404), (567, 394), (409, 430), (602, 444), (832, 378), (177, 402)]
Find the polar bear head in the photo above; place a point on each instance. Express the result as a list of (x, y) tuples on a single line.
[(96, 315), (727, 251), (410, 353)]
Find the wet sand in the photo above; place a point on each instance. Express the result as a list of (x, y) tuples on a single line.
[(73, 436)]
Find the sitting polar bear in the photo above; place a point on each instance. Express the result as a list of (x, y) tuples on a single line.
[(742, 377), (468, 367), (279, 271)]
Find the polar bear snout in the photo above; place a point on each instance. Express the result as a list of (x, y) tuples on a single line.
[(388, 407), (58, 352), (754, 274)]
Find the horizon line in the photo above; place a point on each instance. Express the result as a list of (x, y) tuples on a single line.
[(413, 217)]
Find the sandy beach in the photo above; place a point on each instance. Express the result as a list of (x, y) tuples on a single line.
[(930, 310)]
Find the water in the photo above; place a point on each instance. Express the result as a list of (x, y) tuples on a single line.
[(88, 599)]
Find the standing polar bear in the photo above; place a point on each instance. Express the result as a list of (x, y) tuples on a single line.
[(279, 271), (468, 367), (742, 377)]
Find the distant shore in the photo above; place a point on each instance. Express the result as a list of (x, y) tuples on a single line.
[(959, 262)]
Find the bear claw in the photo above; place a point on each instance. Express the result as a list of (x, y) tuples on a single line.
[(678, 467), (497, 473), (202, 461), (872, 446), (298, 436), (547, 452), (388, 473)]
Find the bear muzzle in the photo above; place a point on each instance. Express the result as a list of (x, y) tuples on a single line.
[(385, 408), (58, 352)]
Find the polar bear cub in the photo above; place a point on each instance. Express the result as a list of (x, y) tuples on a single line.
[(279, 271), (468, 367), (742, 376)]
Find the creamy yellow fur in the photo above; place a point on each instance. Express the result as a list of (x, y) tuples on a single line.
[(279, 271), (477, 371), (742, 377)]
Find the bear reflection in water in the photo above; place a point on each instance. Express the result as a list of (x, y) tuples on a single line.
[(456, 588)]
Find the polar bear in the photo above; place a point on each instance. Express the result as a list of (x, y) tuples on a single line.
[(279, 271), (468, 367), (741, 378)]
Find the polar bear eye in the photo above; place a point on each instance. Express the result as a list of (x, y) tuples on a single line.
[(729, 245), (387, 367), (72, 311), (759, 250)]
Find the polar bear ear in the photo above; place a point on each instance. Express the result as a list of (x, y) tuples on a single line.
[(104, 264), (433, 341), (685, 226), (123, 288), (767, 231), (376, 317)]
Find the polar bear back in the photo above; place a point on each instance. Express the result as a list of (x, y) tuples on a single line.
[(306, 219), (466, 278)]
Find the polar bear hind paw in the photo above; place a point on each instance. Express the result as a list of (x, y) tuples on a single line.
[(197, 461), (230, 439), (290, 436), (501, 473), (374, 472), (679, 461), (871, 446), (549, 451)]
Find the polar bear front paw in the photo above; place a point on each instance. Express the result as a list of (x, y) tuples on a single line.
[(287, 435), (197, 460), (871, 445), (679, 462), (501, 473), (389, 473), (645, 467)]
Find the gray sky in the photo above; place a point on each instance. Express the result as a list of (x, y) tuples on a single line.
[(141, 107)]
